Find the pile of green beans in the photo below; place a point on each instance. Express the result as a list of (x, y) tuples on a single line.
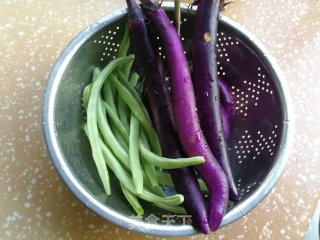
[(122, 137)]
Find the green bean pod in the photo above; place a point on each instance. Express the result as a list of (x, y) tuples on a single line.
[(93, 132)]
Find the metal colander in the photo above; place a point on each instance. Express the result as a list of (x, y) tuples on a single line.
[(259, 140)]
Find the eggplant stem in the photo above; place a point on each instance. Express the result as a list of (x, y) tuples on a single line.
[(177, 14)]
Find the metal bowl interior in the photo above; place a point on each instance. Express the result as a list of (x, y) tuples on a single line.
[(258, 144)]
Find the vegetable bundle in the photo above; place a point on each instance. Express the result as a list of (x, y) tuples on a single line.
[(128, 146), (189, 125)]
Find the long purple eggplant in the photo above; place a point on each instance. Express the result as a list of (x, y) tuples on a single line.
[(185, 113), (205, 83), (159, 98)]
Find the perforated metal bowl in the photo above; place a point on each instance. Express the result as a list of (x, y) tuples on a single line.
[(258, 144)]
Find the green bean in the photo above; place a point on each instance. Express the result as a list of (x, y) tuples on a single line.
[(86, 96), (95, 74), (168, 163), (117, 123), (139, 114), (174, 209), (125, 178), (123, 111), (109, 95), (134, 79), (165, 179), (122, 79), (133, 200), (125, 43), (108, 135), (149, 168), (134, 158), (93, 132), (120, 138)]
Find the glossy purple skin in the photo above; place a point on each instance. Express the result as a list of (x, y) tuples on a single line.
[(159, 98), (227, 106), (186, 117), (205, 83)]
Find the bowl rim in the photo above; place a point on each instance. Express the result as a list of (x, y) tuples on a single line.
[(156, 229)]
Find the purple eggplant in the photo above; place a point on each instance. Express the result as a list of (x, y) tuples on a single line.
[(185, 113), (205, 83), (227, 106), (160, 102)]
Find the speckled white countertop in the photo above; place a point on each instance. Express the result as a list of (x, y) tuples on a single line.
[(35, 204)]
